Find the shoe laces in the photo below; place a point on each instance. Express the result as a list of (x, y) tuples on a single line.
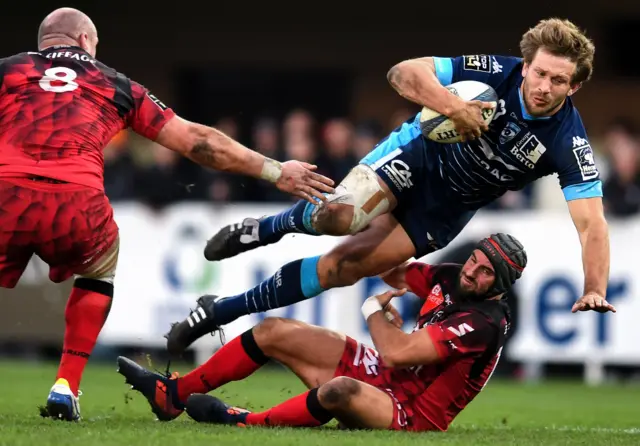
[(167, 373), (222, 337)]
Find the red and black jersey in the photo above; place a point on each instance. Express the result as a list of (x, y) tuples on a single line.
[(468, 337), (60, 107)]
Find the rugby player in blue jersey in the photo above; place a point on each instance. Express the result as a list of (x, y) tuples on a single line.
[(411, 196)]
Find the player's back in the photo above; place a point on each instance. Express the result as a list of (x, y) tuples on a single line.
[(59, 108)]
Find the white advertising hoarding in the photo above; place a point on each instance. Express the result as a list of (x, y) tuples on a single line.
[(162, 271)]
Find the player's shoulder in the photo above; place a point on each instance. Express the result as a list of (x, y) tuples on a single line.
[(432, 274), (18, 58), (571, 120), (570, 132), (443, 271), (491, 63)]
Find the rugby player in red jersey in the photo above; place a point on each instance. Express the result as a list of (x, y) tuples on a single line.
[(59, 108), (416, 381)]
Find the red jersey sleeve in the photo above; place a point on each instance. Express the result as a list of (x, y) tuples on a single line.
[(419, 277), (462, 334), (149, 114)]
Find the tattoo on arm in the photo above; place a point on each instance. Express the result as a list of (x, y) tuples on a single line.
[(203, 153)]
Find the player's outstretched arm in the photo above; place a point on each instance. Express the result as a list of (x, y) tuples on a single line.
[(588, 217), (396, 348), (211, 148)]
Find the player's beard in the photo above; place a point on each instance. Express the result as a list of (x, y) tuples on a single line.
[(466, 294), (538, 111)]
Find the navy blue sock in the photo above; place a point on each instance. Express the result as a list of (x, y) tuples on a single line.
[(295, 219), (294, 282)]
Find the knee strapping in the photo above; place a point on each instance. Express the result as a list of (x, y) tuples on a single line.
[(104, 269), (361, 190), (107, 277)]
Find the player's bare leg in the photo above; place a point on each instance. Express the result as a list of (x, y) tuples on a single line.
[(357, 405), (85, 314), (383, 245), (283, 340), (312, 353), (360, 198)]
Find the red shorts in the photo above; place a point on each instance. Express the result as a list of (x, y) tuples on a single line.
[(68, 226), (361, 362)]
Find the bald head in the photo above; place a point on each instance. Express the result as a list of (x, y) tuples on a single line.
[(68, 26)]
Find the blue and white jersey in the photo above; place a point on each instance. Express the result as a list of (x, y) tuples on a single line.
[(518, 148)]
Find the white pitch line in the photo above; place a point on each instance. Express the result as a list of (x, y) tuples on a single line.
[(610, 430), (595, 430)]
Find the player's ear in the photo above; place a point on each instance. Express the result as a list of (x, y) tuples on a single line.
[(574, 88), (525, 69)]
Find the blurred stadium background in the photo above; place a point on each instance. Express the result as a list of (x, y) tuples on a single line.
[(308, 81)]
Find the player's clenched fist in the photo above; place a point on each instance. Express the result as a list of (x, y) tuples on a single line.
[(299, 179), (468, 118)]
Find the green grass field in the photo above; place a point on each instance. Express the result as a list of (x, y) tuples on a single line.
[(504, 413)]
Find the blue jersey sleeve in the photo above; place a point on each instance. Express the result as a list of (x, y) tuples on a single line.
[(574, 161), (489, 69)]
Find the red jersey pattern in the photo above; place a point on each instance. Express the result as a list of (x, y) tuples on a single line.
[(468, 341), (60, 107), (67, 225)]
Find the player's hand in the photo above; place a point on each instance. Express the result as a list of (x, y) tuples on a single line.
[(592, 301), (390, 312), (393, 315), (386, 297), (468, 119), (299, 179)]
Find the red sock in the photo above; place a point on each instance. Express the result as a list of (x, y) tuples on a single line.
[(85, 314), (303, 411), (234, 361)]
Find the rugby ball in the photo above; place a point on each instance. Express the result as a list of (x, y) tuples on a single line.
[(439, 128)]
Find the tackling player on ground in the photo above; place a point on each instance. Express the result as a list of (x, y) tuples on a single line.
[(411, 196), (59, 107), (416, 381)]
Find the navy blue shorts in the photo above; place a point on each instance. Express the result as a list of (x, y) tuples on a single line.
[(426, 210)]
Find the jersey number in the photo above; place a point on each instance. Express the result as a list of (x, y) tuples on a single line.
[(59, 80)]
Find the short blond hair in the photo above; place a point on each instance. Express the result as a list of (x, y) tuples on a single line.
[(560, 38)]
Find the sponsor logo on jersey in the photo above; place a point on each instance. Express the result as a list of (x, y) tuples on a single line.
[(462, 329), (399, 173), (509, 132), (586, 161), (528, 150), (497, 68), (70, 55), (157, 101), (480, 62), (579, 141), (435, 297)]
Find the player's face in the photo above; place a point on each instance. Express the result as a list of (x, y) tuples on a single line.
[(547, 83), (477, 275)]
